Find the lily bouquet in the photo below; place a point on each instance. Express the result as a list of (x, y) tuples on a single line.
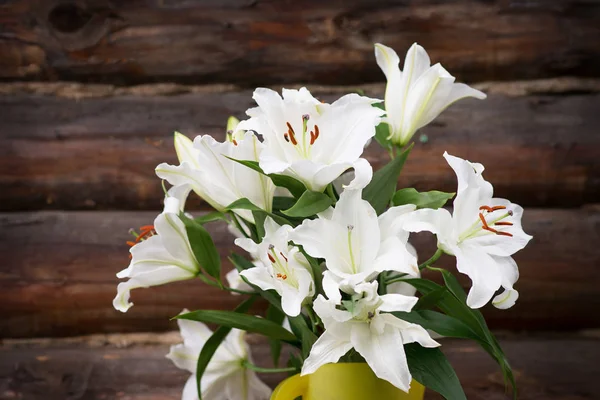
[(327, 240)]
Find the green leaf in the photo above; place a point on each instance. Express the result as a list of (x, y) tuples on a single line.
[(494, 347), (431, 368), (382, 132), (277, 316), (246, 204), (203, 247), (295, 362), (243, 204), (380, 190), (250, 164), (244, 322), (259, 223), (282, 203), (295, 187), (211, 217), (301, 329), (443, 324), (239, 262), (310, 203), (213, 343), (430, 299), (453, 303), (433, 199)]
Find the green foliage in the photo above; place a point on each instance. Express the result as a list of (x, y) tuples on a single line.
[(248, 323), (452, 301), (245, 204), (431, 368), (380, 190), (211, 217), (203, 247), (309, 204), (433, 199)]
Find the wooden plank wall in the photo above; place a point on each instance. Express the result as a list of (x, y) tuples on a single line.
[(92, 91)]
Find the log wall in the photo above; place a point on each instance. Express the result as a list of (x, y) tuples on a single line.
[(91, 91)]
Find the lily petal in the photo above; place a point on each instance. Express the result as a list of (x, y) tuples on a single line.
[(483, 271), (260, 277), (381, 351), (397, 302), (327, 349), (506, 299)]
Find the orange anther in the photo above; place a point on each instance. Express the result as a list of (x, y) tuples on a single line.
[(271, 258), (486, 208), (143, 234), (487, 228), (483, 221), (130, 243), (291, 134), (498, 208), (284, 277), (504, 223), (284, 257), (147, 227), (314, 135), (234, 142)]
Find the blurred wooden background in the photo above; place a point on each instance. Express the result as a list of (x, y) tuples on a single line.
[(91, 91)]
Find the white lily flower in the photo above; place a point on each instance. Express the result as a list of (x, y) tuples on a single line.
[(355, 243), (161, 254), (367, 327), (311, 141), (419, 93), (483, 233), (225, 377), (282, 267), (204, 166)]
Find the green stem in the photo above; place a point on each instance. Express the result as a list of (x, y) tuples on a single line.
[(433, 259), (249, 365)]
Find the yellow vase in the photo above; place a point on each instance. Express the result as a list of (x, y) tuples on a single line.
[(346, 381)]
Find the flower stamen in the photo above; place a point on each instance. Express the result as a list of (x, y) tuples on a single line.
[(146, 231), (488, 228), (314, 135), (290, 135), (504, 223)]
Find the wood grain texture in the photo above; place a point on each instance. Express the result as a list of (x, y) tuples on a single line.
[(260, 42), (57, 277), (96, 146), (134, 367)]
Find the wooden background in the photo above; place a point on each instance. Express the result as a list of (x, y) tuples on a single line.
[(91, 91)]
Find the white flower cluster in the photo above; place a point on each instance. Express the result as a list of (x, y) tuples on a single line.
[(337, 262)]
